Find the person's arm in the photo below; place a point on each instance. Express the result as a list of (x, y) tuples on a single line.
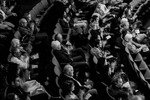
[(132, 48), (62, 58), (21, 64), (137, 44)]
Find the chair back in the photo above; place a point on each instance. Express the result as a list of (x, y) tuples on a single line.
[(57, 68)]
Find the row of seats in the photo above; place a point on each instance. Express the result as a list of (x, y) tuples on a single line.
[(139, 66), (142, 4), (137, 6), (39, 7)]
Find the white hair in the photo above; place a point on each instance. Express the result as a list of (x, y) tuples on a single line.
[(128, 37), (55, 45)]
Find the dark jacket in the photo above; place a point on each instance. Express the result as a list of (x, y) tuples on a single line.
[(62, 56), (63, 78)]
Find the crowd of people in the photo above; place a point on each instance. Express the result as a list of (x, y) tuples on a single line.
[(80, 41)]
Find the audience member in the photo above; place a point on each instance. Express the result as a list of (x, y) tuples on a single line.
[(24, 34), (21, 58), (68, 74)]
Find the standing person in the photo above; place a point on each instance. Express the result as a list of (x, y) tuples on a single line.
[(50, 19)]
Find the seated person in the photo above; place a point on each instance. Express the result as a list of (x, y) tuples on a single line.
[(4, 24), (68, 74), (73, 52), (117, 90), (68, 94), (133, 46), (64, 57), (20, 57), (138, 37), (108, 67), (8, 10), (121, 87), (24, 34), (16, 90)]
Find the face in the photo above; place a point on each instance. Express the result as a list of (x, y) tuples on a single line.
[(24, 23), (148, 30), (32, 25), (17, 52), (17, 82), (65, 1), (37, 20), (70, 71), (29, 17), (113, 64), (119, 82)]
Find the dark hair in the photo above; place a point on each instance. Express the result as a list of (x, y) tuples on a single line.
[(94, 17)]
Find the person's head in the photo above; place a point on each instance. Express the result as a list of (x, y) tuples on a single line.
[(95, 21), (28, 17), (56, 45), (32, 25), (95, 17), (136, 31), (12, 96), (37, 21), (112, 62), (23, 22), (68, 70), (104, 1), (148, 29), (64, 2), (15, 42), (128, 37), (59, 37), (17, 82), (123, 20), (69, 86), (117, 80), (3, 3), (124, 23)]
